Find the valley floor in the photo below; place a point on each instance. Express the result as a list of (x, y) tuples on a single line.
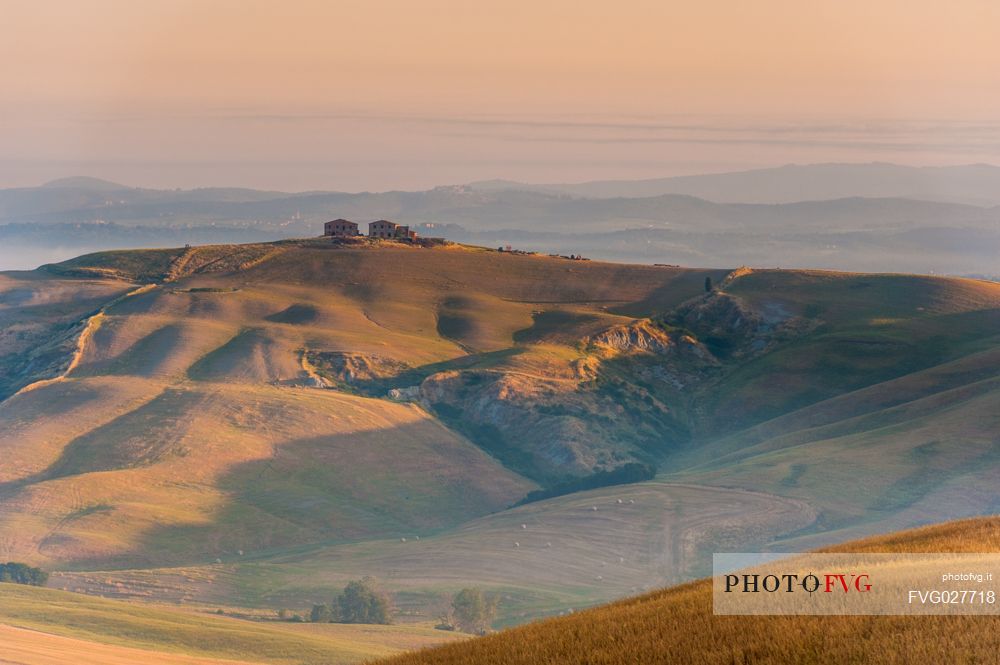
[(570, 551)]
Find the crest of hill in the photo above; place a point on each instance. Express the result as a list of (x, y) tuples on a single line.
[(676, 625), (370, 264)]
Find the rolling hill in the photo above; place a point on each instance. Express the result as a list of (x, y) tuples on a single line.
[(212, 437), (677, 625), (276, 419)]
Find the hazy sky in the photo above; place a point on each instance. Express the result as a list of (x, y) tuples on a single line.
[(374, 95)]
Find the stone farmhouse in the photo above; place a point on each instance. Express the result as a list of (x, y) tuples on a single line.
[(341, 228), (386, 229)]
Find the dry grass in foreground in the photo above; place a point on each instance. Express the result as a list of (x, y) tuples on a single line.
[(29, 647), (50, 626), (677, 626)]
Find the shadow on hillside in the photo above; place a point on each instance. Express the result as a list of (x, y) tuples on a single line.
[(560, 327), (415, 376), (981, 323), (410, 480), (686, 284), (146, 357), (296, 314), (126, 442)]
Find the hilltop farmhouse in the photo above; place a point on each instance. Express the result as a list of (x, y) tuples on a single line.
[(386, 229), (342, 228)]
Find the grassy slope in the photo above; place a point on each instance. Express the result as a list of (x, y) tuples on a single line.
[(886, 415), (677, 626), (210, 440), (894, 371), (867, 329), (39, 323), (96, 620), (166, 473), (22, 646), (541, 557)]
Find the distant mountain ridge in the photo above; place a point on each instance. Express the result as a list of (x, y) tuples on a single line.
[(84, 182), (865, 217), (974, 184), (475, 209)]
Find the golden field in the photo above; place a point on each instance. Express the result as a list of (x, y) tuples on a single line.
[(676, 625), (43, 626)]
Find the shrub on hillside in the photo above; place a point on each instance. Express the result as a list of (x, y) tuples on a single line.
[(325, 613), (474, 610), (363, 602), (22, 573)]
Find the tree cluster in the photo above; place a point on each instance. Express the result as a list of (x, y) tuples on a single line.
[(22, 573), (362, 601), (474, 611)]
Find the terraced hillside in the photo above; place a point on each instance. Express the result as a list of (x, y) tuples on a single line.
[(676, 625)]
